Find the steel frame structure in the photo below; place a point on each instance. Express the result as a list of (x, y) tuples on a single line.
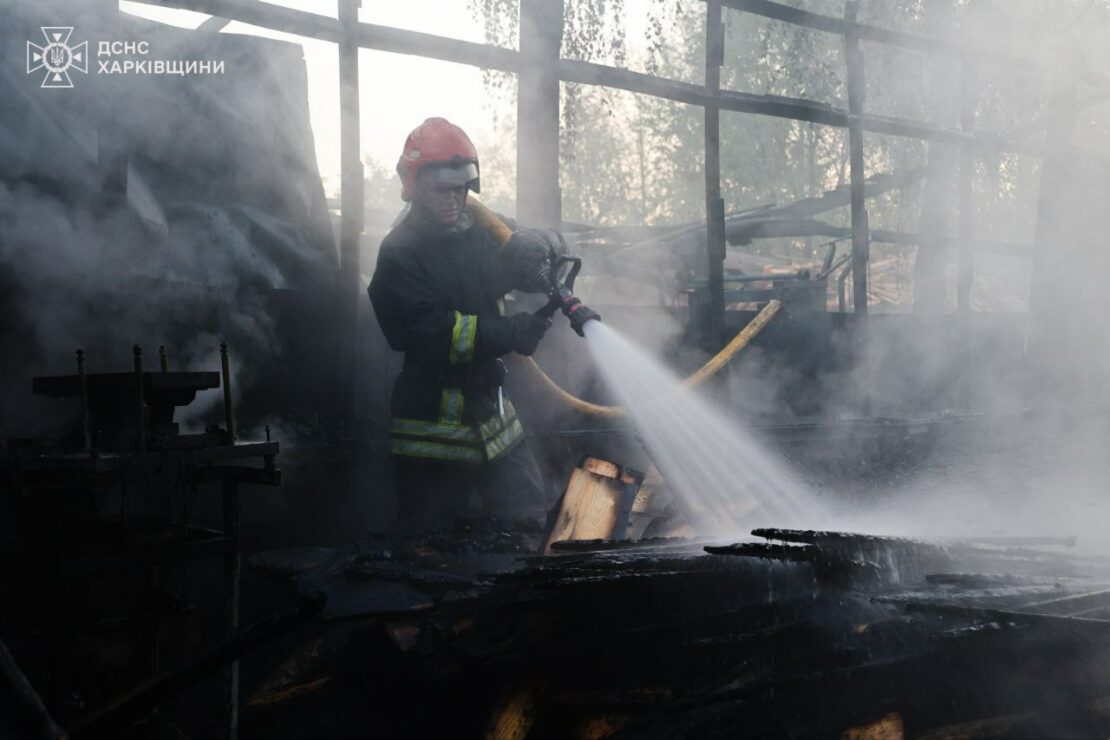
[(540, 68)]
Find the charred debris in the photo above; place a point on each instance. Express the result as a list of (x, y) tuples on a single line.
[(789, 634)]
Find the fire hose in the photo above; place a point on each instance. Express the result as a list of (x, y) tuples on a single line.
[(489, 220)]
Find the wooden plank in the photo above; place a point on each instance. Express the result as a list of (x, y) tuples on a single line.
[(887, 727), (610, 469), (595, 505)]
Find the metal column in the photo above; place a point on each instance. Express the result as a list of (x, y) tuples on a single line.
[(860, 234), (351, 217), (539, 201), (714, 204)]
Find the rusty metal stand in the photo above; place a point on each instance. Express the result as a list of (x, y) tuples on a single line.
[(67, 487)]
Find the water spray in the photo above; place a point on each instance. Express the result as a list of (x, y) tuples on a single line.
[(722, 474), (490, 221)]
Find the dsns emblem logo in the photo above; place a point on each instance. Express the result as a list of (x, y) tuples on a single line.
[(57, 57)]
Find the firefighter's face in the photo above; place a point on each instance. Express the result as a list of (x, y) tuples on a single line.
[(443, 202)]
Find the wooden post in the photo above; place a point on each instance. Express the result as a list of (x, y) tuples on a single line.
[(351, 216), (538, 199), (714, 204), (232, 566), (860, 232)]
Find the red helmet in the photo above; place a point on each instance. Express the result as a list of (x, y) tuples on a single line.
[(439, 142)]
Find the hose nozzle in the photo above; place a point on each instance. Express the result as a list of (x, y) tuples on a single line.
[(577, 311)]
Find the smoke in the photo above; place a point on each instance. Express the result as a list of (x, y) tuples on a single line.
[(933, 422), (126, 219)]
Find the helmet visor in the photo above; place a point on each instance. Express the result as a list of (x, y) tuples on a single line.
[(451, 175)]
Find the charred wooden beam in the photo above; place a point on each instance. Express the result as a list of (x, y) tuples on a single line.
[(766, 551), (819, 537), (600, 545)]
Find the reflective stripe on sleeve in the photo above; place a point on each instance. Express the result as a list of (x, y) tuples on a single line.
[(462, 338)]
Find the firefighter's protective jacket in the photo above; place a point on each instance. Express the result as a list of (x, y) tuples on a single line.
[(437, 297)]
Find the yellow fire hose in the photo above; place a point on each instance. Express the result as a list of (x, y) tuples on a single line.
[(489, 220)]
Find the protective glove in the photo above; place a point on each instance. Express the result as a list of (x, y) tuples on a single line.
[(578, 313), (528, 330), (528, 257)]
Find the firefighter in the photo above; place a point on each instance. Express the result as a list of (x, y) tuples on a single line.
[(437, 293)]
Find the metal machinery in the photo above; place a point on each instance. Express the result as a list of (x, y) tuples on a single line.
[(106, 526)]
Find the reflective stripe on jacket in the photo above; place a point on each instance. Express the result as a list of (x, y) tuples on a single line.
[(456, 443)]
